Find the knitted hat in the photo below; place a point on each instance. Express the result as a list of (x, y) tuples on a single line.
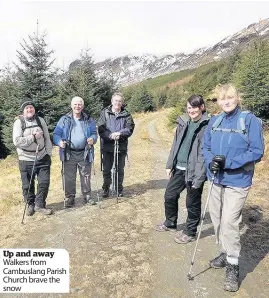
[(25, 103)]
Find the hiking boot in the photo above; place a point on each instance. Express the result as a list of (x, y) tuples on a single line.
[(88, 200), (30, 210), (69, 202), (44, 211), (219, 262), (163, 228), (105, 193), (183, 238), (232, 278)]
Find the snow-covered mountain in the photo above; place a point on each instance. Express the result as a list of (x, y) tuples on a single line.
[(130, 69)]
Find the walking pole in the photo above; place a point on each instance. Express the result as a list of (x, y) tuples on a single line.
[(117, 169), (96, 185), (63, 172), (94, 173), (63, 180), (201, 225), (31, 178), (114, 169)]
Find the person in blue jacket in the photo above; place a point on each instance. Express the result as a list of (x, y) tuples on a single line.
[(233, 143), (75, 134)]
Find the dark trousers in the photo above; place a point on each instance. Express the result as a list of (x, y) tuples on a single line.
[(70, 167), (42, 172), (174, 188), (108, 159)]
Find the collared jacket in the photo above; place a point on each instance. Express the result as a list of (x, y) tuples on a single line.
[(109, 122), (240, 152), (63, 129), (195, 171), (25, 141)]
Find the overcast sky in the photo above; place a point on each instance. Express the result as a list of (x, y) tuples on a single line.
[(113, 28)]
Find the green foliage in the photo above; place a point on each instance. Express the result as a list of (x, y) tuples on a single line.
[(82, 81), (9, 104), (251, 76), (154, 84), (36, 78), (141, 100), (177, 111), (160, 97), (175, 96)]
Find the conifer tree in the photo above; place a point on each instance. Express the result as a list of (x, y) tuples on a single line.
[(252, 78), (82, 81), (35, 75), (9, 105), (141, 101)]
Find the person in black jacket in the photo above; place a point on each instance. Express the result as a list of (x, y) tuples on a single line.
[(115, 124), (185, 168)]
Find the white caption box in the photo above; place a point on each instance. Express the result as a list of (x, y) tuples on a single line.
[(34, 271)]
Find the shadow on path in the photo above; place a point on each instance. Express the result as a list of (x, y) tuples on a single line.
[(255, 240)]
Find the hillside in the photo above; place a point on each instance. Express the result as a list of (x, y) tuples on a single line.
[(130, 69)]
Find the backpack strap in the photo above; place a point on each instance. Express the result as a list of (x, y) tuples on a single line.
[(240, 127), (217, 122), (106, 115), (241, 123), (23, 123), (23, 128)]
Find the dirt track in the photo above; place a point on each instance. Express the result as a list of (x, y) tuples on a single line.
[(114, 250)]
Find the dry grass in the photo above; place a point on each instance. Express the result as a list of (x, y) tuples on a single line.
[(110, 248), (260, 189)]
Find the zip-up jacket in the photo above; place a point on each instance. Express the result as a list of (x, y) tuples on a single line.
[(26, 143), (195, 170), (63, 129), (240, 152), (109, 122)]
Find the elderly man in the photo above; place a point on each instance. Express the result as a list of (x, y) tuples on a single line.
[(31, 138), (115, 124), (75, 134)]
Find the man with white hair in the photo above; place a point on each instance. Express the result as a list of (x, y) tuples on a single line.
[(115, 124), (75, 134)]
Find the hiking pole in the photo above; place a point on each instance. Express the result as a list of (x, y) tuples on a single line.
[(117, 169), (114, 169), (63, 172), (96, 185), (94, 173), (201, 225), (31, 178), (63, 181)]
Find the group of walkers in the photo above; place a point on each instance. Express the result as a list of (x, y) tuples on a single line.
[(222, 149), (75, 134)]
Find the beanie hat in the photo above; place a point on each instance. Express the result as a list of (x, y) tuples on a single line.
[(25, 103)]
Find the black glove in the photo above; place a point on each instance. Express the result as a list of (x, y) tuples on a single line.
[(217, 164)]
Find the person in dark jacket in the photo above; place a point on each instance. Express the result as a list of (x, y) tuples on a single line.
[(185, 168), (75, 134), (233, 143), (32, 140), (115, 123)]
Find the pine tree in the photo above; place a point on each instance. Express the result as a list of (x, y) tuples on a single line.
[(37, 80), (9, 105), (141, 101), (252, 78), (82, 81)]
